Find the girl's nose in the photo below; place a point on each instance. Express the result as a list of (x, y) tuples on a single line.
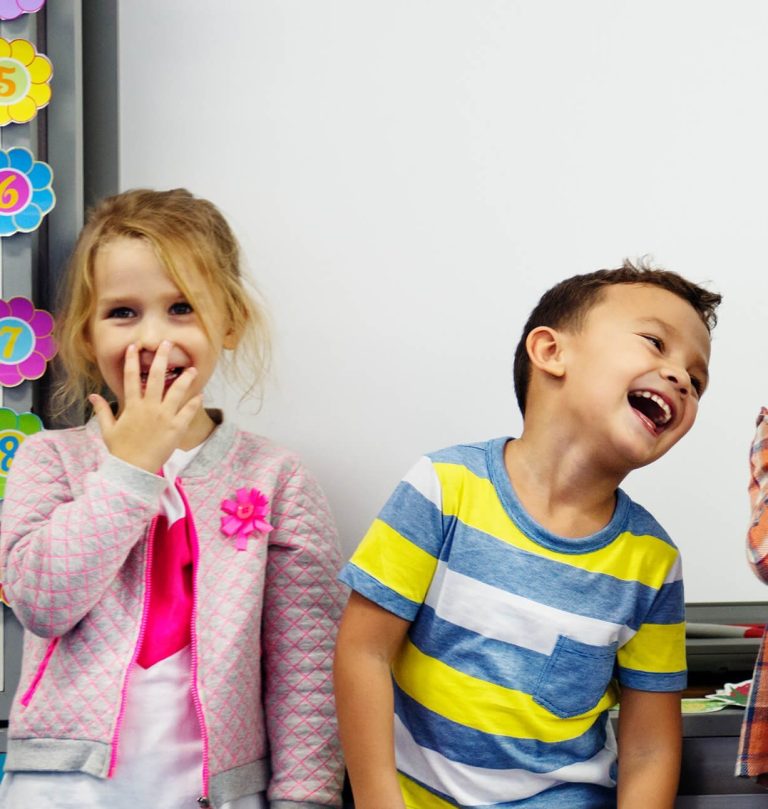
[(148, 335)]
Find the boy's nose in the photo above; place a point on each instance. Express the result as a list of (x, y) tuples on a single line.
[(679, 379)]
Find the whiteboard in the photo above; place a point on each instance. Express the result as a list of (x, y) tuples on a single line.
[(407, 178)]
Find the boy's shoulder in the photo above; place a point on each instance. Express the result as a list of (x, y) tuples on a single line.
[(641, 522), (474, 456)]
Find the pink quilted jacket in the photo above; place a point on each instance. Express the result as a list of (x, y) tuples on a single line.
[(73, 556)]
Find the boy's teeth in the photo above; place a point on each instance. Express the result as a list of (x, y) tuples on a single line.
[(666, 412)]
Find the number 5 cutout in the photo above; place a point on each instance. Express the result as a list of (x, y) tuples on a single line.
[(24, 81)]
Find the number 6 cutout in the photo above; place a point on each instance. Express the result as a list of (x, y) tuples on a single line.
[(26, 193), (25, 77), (26, 341)]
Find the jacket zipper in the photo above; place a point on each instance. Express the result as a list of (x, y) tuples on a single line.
[(203, 800), (30, 692), (139, 641)]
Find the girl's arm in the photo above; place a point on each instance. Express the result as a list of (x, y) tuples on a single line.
[(302, 606), (757, 537), (60, 550), (650, 748), (369, 638)]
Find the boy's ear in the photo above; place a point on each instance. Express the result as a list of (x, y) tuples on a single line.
[(545, 350)]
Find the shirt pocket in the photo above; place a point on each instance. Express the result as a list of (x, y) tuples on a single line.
[(575, 677)]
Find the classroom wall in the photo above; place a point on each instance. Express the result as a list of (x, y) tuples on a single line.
[(407, 177)]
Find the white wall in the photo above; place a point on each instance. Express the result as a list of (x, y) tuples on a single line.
[(407, 177)]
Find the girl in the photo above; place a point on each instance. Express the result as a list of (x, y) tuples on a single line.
[(174, 575)]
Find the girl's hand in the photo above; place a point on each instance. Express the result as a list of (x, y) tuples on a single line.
[(151, 423)]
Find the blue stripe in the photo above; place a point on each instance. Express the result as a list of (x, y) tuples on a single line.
[(641, 522), (415, 517), (363, 583), (669, 605), (480, 556), (473, 456), (470, 746), (563, 796), (653, 681), (487, 659)]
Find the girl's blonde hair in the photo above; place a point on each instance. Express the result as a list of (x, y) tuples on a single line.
[(188, 234)]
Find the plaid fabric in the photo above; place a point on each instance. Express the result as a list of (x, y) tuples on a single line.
[(752, 758)]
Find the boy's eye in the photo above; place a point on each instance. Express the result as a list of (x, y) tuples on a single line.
[(656, 341), (121, 312), (181, 308), (697, 385)]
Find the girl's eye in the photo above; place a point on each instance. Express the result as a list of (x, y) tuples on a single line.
[(656, 341), (696, 385), (181, 308), (121, 312)]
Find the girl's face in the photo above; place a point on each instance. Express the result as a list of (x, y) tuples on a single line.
[(137, 302)]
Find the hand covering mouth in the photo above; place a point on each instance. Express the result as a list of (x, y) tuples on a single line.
[(652, 406), (170, 374)]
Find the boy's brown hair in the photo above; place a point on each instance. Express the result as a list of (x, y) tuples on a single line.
[(566, 304)]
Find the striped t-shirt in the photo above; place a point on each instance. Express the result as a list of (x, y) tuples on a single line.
[(519, 638)]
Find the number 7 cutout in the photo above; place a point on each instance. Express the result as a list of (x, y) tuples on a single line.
[(26, 341)]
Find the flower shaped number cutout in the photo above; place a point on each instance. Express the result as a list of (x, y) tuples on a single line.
[(244, 516), (25, 77), (26, 342), (10, 9), (14, 428), (26, 195)]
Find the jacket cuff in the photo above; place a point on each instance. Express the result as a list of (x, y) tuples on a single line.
[(300, 805)]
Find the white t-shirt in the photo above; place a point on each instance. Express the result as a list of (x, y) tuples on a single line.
[(159, 762)]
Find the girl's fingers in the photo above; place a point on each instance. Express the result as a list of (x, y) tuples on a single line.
[(187, 413), (178, 390), (102, 411), (156, 376), (131, 374)]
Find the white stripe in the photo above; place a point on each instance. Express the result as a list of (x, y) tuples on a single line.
[(675, 572), (511, 618), (478, 786), (424, 479)]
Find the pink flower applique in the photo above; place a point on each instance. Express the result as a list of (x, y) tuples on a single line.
[(245, 515)]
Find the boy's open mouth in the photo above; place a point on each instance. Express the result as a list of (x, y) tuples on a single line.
[(652, 407)]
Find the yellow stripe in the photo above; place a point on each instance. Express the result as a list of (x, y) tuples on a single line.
[(655, 648), (391, 558), (416, 797), (630, 557), (486, 706)]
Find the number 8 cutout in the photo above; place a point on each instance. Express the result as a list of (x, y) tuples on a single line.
[(24, 81), (26, 341)]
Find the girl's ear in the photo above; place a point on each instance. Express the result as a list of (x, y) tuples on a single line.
[(231, 339), (545, 350), (90, 355)]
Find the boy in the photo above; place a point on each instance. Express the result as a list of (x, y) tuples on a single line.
[(509, 589)]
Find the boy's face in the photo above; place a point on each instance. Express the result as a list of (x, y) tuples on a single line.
[(635, 372)]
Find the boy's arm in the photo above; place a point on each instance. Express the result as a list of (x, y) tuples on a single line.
[(368, 640), (650, 746)]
